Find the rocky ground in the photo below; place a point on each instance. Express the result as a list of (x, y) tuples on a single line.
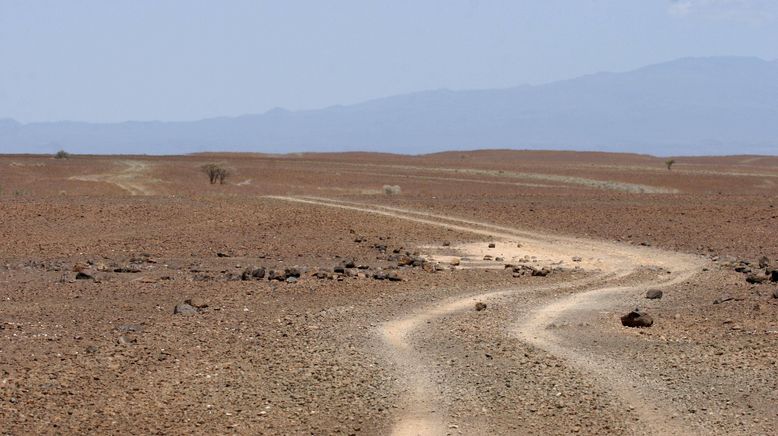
[(311, 299)]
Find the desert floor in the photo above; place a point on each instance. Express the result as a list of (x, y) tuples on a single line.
[(317, 303)]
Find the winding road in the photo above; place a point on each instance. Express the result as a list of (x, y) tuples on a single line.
[(616, 270)]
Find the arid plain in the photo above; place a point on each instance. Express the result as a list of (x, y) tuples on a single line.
[(455, 293)]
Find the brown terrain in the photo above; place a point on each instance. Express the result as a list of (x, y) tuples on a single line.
[(484, 296)]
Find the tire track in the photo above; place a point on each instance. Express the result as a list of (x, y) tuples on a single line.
[(611, 262)]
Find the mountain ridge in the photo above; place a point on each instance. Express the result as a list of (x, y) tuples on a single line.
[(695, 105)]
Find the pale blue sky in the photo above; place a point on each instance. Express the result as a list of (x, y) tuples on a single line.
[(182, 60)]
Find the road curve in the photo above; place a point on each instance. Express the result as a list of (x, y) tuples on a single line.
[(610, 263)]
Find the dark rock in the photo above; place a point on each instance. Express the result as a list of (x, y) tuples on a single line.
[(636, 318), (723, 298), (492, 245), (253, 274), (293, 272), (577, 258), (542, 272), (380, 247), (653, 294), (488, 257), (222, 255), (184, 309), (446, 243), (756, 279), (379, 275), (91, 349), (349, 263), (775, 293), (745, 269), (340, 269), (774, 275), (480, 306), (84, 276), (499, 259), (276, 275)]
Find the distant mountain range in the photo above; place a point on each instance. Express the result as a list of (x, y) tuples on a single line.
[(690, 106)]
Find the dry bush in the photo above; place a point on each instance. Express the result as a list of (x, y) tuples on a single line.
[(669, 163), (215, 173), (392, 189), (62, 154)]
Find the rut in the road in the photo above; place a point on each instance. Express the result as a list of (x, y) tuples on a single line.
[(611, 261)]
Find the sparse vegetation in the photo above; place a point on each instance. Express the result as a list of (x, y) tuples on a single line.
[(216, 173), (62, 154), (669, 164), (391, 190)]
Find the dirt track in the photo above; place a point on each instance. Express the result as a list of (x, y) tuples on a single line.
[(354, 355), (613, 264)]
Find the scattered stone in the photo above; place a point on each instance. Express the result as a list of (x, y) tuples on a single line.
[(455, 261), (276, 275), (393, 277), (131, 269), (480, 306), (84, 276), (492, 245), (764, 262), (488, 257), (446, 243), (222, 254), (129, 328), (774, 275), (379, 275), (723, 298), (184, 309), (291, 279), (321, 274), (637, 319), (253, 274), (404, 260), (196, 302), (577, 258), (125, 341), (775, 293), (653, 294), (756, 279), (499, 259), (91, 349)]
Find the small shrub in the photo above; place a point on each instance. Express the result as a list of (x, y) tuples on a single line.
[(669, 163), (391, 189), (62, 154), (215, 173)]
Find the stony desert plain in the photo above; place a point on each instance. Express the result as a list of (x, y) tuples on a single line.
[(354, 293)]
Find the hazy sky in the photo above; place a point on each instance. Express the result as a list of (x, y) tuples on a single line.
[(186, 59)]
